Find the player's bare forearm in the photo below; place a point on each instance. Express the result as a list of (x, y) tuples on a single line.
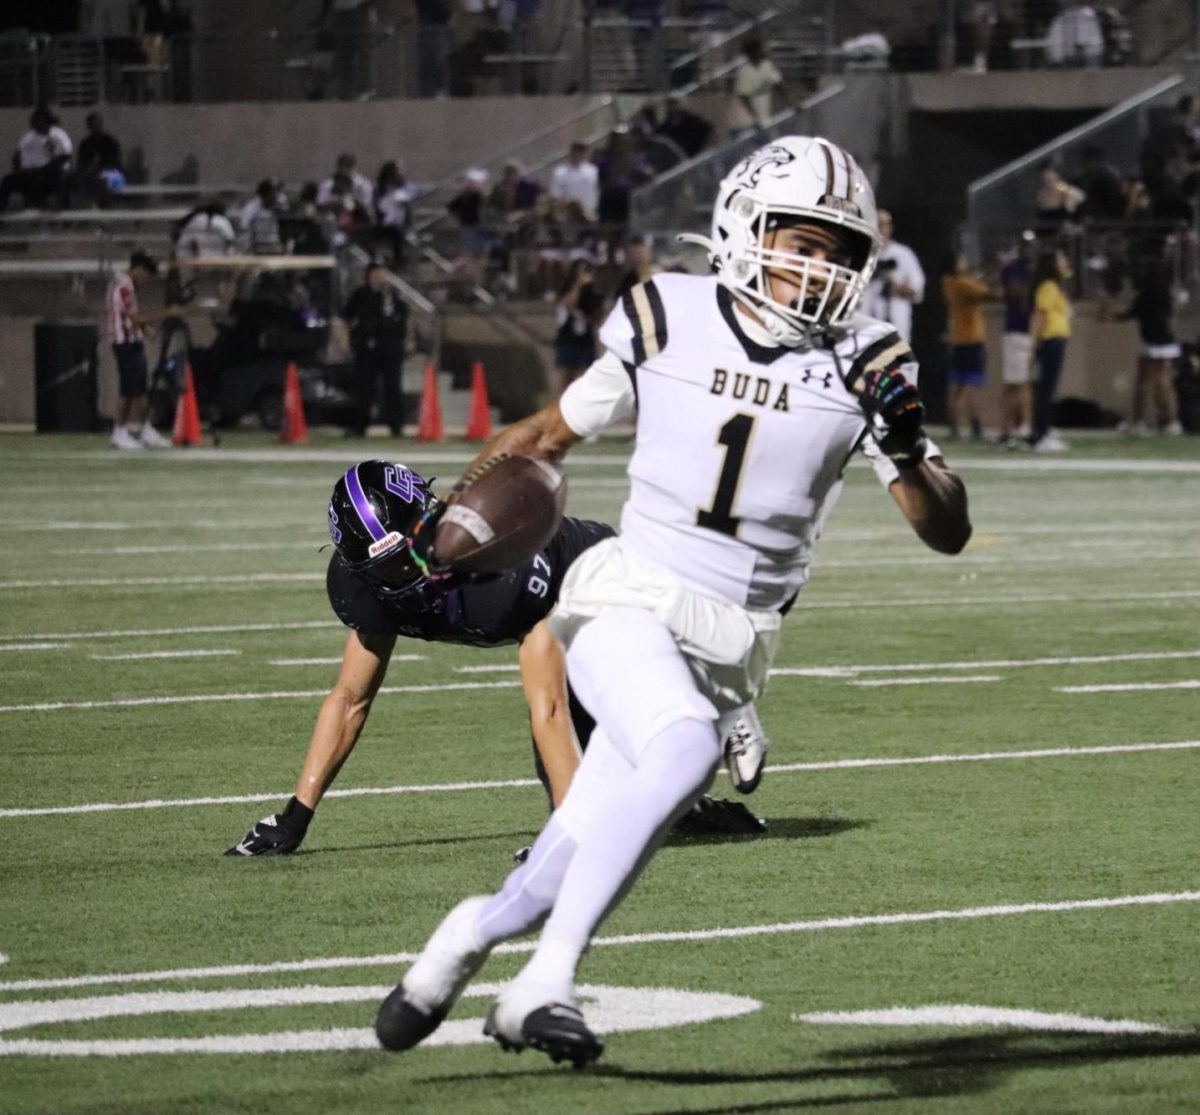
[(544, 435), (343, 713), (934, 501), (544, 679)]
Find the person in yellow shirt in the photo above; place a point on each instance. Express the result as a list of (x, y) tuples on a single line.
[(1050, 328), (965, 291)]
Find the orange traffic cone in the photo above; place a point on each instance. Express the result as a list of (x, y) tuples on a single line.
[(187, 413), (294, 430), (479, 424), (429, 424)]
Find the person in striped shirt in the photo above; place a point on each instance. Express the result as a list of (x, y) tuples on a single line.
[(124, 325)]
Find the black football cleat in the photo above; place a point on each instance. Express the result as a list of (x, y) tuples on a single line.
[(401, 1024), (719, 817), (557, 1030)]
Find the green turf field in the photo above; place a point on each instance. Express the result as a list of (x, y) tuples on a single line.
[(965, 832)]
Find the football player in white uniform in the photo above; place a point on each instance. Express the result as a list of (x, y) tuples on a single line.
[(751, 390)]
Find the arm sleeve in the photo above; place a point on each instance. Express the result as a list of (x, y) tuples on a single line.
[(885, 470), (602, 396)]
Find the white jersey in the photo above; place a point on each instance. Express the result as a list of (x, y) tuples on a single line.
[(740, 447)]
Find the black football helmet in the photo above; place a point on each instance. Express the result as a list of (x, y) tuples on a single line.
[(375, 510)]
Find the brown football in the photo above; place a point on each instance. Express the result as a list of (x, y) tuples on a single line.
[(500, 514)]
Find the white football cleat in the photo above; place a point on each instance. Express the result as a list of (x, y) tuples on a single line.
[(744, 745), (433, 984), (537, 1016)]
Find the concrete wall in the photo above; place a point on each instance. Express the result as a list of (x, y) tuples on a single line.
[(298, 141)]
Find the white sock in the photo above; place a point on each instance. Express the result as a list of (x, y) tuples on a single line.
[(529, 891), (673, 771)]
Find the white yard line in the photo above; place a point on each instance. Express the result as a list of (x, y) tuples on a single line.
[(1089, 599), (985, 756), (33, 646), (1130, 687), (957, 679), (985, 664), (272, 695), (227, 581), (164, 632), (493, 668), (962, 1015), (818, 925), (164, 654), (520, 783)]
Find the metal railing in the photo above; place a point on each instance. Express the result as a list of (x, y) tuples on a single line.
[(681, 199), (1005, 199)]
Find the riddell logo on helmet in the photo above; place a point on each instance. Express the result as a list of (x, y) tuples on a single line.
[(840, 204), (387, 542)]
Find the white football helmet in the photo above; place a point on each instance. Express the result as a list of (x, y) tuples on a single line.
[(795, 179)]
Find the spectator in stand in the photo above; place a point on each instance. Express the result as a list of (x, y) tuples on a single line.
[(1155, 404), (579, 311), (965, 291), (433, 47), (515, 193), (754, 88), (688, 130), (393, 209), (639, 263), (204, 232), (575, 184), (899, 282), (378, 321), (1057, 201), (1106, 196), (124, 327), (359, 184), (983, 22), (40, 163), (259, 219), (1186, 125), (345, 210), (1075, 37), (621, 170), (350, 23), (98, 163), (1050, 328), (474, 240), (306, 230), (647, 37), (1016, 345)]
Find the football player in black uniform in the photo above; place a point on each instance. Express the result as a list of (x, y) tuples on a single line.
[(381, 587)]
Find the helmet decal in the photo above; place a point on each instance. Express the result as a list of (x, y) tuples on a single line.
[(363, 505), (751, 168), (401, 482), (334, 532)]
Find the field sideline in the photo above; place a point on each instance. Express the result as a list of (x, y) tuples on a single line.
[(979, 891)]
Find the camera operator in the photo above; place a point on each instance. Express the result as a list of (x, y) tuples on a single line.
[(899, 282)]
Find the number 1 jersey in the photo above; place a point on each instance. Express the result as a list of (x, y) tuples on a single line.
[(740, 446)]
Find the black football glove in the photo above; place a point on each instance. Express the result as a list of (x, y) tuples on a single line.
[(719, 817), (277, 835), (891, 402)]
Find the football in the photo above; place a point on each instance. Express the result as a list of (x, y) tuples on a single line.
[(500, 514)]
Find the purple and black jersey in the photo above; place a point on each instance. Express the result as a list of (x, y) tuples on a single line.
[(496, 612)]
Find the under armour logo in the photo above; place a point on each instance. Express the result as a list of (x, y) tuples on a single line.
[(826, 378)]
